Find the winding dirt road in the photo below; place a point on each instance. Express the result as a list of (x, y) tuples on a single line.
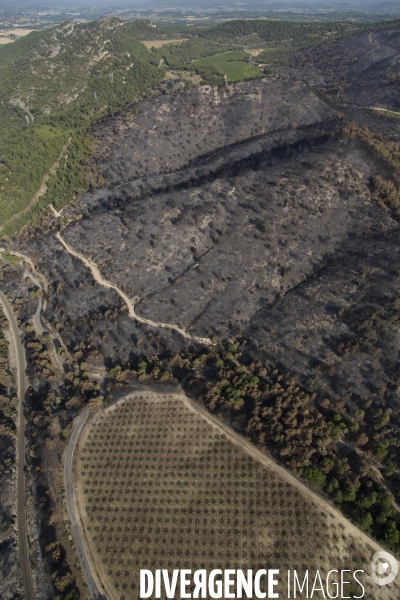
[(29, 588), (97, 276), (377, 46), (30, 263), (37, 321)]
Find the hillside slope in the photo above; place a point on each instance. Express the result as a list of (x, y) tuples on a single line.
[(242, 240), (53, 85), (246, 215), (363, 70)]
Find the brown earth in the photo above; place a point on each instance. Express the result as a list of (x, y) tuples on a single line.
[(180, 489), (159, 43)]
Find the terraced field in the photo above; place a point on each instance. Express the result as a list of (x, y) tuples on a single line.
[(161, 485)]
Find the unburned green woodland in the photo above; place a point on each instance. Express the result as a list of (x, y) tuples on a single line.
[(67, 81), (55, 84), (336, 450)]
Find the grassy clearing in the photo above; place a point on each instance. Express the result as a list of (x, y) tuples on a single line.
[(161, 486), (9, 257), (234, 64), (239, 71)]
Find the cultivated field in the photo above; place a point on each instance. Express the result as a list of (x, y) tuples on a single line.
[(162, 485), (159, 43), (18, 32), (233, 64)]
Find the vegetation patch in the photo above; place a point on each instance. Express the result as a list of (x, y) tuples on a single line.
[(235, 65), (162, 486), (224, 57), (54, 84)]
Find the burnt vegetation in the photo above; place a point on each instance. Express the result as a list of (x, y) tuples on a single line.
[(261, 215), (283, 236), (8, 403)]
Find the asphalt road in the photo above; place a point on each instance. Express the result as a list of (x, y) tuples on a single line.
[(29, 588), (69, 493)]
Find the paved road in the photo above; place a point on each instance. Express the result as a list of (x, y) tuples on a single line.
[(69, 493), (29, 588)]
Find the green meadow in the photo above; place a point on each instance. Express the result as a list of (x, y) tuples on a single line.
[(234, 64)]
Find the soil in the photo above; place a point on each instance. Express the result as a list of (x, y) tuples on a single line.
[(159, 43), (171, 439)]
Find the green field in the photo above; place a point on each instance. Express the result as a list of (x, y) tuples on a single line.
[(233, 65)]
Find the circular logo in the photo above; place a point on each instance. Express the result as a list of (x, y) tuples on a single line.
[(384, 568)]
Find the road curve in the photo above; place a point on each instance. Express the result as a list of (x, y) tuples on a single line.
[(131, 307), (37, 321), (69, 494), (29, 588)]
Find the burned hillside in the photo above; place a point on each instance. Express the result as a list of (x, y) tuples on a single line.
[(220, 218), (362, 70), (244, 240)]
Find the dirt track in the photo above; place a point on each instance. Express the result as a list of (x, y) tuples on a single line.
[(131, 307), (43, 186)]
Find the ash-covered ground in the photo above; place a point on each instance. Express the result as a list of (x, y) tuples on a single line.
[(363, 69), (234, 212)]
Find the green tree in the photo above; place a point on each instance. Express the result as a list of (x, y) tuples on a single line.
[(365, 521), (391, 533), (314, 476), (115, 372)]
